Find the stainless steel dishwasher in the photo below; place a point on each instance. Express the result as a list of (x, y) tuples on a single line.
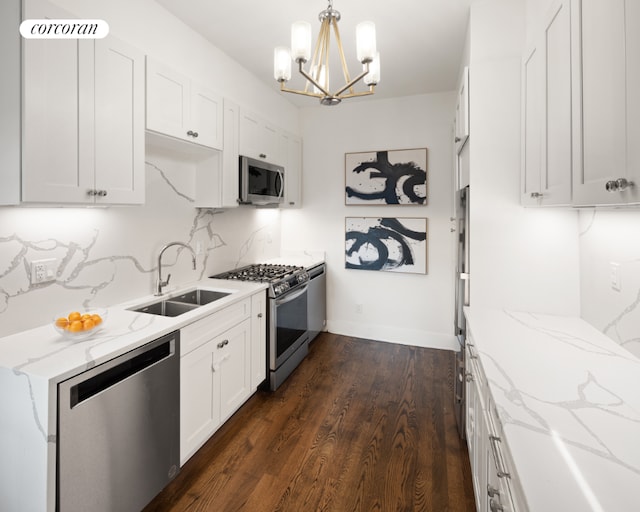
[(119, 430), (316, 300)]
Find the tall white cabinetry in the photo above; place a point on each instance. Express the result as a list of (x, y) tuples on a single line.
[(83, 118), (546, 125), (291, 148), (606, 78)]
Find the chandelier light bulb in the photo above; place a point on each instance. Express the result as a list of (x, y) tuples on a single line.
[(373, 76), (301, 41), (282, 64), (366, 41)]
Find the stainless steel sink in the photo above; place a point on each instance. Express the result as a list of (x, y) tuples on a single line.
[(175, 305), (166, 308), (199, 296)]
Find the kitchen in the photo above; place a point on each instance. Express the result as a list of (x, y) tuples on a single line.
[(541, 260)]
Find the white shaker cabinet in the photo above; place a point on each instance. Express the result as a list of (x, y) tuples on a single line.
[(258, 339), (219, 368), (83, 118), (291, 147), (180, 108), (259, 139), (546, 120), (606, 81)]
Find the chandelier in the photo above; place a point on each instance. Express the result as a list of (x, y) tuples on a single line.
[(317, 79)]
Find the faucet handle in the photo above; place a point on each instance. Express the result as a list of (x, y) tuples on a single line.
[(167, 281)]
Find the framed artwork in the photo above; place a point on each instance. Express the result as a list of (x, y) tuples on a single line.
[(386, 177), (386, 244)]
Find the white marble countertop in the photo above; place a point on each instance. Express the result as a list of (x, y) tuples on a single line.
[(306, 259), (45, 354), (568, 399)]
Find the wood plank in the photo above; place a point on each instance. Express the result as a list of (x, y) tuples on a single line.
[(360, 425)]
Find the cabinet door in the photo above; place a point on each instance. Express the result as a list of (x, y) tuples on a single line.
[(555, 177), (531, 127), (230, 167), (233, 365), (167, 100), (462, 112), (119, 122), (292, 147), (599, 99), (199, 399), (258, 339), (57, 114), (206, 117), (633, 97), (259, 139)]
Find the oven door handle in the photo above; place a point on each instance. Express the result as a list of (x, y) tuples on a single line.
[(293, 296)]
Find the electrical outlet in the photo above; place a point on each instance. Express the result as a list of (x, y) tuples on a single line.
[(358, 308), (615, 276), (43, 271)]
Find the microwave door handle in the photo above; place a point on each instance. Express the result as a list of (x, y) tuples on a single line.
[(280, 175)]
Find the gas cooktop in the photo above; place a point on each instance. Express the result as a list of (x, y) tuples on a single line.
[(281, 278)]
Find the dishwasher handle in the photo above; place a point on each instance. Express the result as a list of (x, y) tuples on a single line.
[(93, 385)]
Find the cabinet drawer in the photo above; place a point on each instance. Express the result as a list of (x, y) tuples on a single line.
[(198, 333)]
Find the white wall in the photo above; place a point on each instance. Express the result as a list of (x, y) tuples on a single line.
[(523, 259), (402, 308), (108, 255)]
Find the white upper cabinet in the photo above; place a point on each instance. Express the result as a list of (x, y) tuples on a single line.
[(291, 146), (180, 108), (259, 139), (83, 118), (606, 55), (546, 120), (462, 112)]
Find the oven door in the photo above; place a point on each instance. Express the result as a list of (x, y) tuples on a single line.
[(288, 325)]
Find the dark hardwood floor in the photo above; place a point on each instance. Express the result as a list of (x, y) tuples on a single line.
[(359, 426)]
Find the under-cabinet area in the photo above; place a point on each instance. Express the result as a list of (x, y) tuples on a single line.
[(550, 401), (218, 356)]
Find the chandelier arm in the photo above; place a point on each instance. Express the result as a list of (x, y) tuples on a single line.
[(354, 81), (360, 93), (343, 60), (313, 81), (316, 52), (283, 88)]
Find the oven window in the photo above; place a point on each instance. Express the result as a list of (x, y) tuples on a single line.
[(291, 323), (263, 182)]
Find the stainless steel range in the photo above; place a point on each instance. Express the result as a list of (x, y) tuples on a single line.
[(287, 321)]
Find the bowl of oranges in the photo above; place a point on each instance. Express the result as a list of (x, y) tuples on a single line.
[(80, 325)]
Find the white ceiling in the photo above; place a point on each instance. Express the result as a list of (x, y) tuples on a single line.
[(420, 41)]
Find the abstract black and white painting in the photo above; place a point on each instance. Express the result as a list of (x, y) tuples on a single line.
[(386, 244), (386, 177)]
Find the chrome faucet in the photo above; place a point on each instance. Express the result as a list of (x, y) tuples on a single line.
[(160, 283)]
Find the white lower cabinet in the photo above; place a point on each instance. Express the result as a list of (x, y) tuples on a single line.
[(258, 339), (217, 369), (494, 481)]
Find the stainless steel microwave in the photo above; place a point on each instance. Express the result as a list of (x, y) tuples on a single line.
[(261, 183)]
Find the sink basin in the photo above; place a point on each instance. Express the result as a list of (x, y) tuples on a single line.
[(175, 305), (199, 296), (166, 308)]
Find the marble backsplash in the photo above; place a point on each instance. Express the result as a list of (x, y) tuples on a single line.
[(610, 239), (109, 255)]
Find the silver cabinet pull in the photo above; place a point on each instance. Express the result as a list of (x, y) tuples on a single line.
[(457, 139), (262, 155), (495, 506), (468, 376), (259, 315), (193, 134), (500, 471), (492, 491), (536, 195), (92, 192), (102, 193), (223, 343), (618, 185)]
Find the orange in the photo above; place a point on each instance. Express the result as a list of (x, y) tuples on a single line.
[(62, 322), (88, 324), (74, 315), (97, 319), (75, 326), (84, 317)]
